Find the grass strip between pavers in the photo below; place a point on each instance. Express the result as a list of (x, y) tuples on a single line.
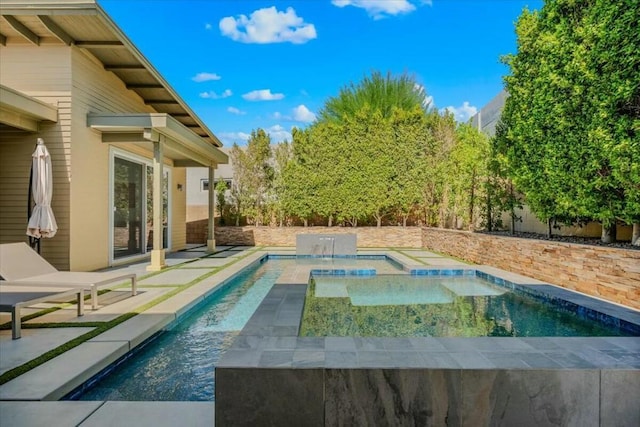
[(105, 326)]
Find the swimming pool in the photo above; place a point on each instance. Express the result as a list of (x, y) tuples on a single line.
[(182, 363), (178, 364), (438, 306)]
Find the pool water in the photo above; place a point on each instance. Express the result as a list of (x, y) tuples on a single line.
[(438, 306), (178, 364)]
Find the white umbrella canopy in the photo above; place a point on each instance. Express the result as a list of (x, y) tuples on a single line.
[(42, 222)]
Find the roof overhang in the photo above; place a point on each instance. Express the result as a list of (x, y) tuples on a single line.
[(20, 111), (85, 25), (180, 143)]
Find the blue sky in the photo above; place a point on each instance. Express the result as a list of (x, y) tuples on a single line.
[(248, 64)]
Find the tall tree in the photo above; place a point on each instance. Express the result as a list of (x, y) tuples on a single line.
[(571, 122), (380, 93)]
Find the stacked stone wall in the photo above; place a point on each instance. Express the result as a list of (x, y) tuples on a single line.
[(367, 237), (609, 273)]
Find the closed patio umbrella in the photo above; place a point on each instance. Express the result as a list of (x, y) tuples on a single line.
[(42, 222)]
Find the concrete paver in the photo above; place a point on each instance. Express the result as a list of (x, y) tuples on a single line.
[(35, 414), (33, 343), (178, 276), (152, 414), (59, 376)]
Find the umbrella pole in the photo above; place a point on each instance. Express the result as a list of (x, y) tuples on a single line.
[(34, 242)]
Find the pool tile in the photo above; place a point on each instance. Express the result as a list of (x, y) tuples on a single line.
[(375, 359), (356, 397), (315, 343), (276, 358), (308, 358), (471, 360), (340, 343), (505, 360), (619, 398), (438, 360), (268, 396), (367, 344), (514, 397), (569, 360), (341, 359)]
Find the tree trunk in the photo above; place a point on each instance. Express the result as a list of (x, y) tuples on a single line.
[(608, 233), (330, 221), (549, 227), (489, 216), (305, 222), (404, 221), (379, 221), (635, 235)]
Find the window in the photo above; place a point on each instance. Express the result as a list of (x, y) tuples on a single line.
[(204, 184)]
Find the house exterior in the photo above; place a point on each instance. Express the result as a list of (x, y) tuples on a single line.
[(198, 188), (120, 138)]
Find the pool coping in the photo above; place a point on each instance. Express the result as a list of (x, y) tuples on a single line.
[(270, 339)]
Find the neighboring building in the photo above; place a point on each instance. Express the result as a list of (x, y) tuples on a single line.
[(198, 188), (486, 120), (120, 138)]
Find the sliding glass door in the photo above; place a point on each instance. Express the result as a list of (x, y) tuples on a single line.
[(133, 207), (128, 213)]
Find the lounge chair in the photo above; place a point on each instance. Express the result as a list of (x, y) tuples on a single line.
[(22, 266), (13, 298)]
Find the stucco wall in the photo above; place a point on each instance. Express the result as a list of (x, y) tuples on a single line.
[(610, 273), (367, 237)]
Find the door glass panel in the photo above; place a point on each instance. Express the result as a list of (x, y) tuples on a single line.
[(165, 208), (128, 204)]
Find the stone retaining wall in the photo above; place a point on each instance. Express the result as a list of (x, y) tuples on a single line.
[(367, 237), (610, 273)]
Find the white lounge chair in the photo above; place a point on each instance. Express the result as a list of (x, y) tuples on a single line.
[(13, 298), (22, 266)]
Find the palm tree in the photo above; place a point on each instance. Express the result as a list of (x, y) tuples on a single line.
[(378, 93)]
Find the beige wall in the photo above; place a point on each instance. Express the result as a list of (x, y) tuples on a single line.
[(75, 82), (44, 73), (94, 91), (531, 224), (179, 209)]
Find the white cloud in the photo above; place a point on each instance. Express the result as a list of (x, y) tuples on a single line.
[(212, 95), (205, 77), (379, 9), (228, 138), (262, 95), (268, 25), (462, 113), (234, 110), (278, 134), (302, 114)]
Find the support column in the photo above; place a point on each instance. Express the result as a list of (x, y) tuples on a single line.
[(157, 253), (211, 238)]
